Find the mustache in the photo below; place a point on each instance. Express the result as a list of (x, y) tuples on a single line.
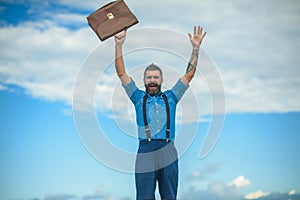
[(152, 85)]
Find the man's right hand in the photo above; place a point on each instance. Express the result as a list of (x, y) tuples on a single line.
[(120, 37)]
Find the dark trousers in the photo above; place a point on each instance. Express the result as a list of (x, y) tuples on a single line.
[(156, 162)]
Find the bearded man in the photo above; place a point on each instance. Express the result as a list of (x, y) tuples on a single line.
[(156, 160)]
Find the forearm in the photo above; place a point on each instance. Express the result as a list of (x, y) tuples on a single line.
[(191, 68), (120, 66), (192, 65), (119, 61)]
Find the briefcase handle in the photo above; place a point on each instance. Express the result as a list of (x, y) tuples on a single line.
[(116, 2), (107, 10)]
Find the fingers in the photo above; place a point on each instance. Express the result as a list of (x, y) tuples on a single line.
[(198, 31), (203, 34), (121, 34), (198, 36)]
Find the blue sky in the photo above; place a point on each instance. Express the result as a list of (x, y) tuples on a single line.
[(253, 45)]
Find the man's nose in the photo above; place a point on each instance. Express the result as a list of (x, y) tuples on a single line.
[(152, 79)]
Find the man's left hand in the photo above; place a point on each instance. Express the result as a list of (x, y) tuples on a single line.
[(198, 36)]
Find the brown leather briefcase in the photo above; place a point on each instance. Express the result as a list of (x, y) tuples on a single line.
[(111, 19)]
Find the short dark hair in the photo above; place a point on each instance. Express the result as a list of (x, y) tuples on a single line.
[(153, 67)]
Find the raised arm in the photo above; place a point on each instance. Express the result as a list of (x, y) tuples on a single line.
[(119, 61), (196, 40)]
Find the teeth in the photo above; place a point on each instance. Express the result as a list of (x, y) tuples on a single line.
[(152, 85)]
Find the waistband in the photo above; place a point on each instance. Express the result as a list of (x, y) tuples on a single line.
[(155, 140)]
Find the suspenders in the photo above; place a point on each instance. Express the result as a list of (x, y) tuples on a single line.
[(147, 129)]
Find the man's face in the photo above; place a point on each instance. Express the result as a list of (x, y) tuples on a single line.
[(153, 81)]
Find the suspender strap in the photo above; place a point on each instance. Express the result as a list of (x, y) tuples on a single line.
[(168, 117), (147, 129)]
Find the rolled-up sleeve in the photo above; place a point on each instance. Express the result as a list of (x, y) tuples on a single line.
[(132, 91), (130, 87), (179, 89)]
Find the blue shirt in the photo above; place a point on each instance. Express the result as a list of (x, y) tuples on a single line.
[(155, 109)]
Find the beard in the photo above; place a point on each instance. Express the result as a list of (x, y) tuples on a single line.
[(153, 88)]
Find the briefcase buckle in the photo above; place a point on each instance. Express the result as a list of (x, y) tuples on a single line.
[(110, 16)]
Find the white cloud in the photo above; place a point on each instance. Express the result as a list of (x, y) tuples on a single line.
[(257, 194), (69, 19), (240, 182), (200, 186), (100, 193), (86, 5), (60, 197), (207, 170), (215, 191), (43, 61), (2, 87), (292, 192), (257, 65)]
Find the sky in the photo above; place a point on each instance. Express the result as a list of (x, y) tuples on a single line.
[(67, 128)]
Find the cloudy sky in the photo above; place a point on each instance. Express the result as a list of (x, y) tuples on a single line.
[(242, 109)]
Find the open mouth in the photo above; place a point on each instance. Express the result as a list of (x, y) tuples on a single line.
[(152, 86)]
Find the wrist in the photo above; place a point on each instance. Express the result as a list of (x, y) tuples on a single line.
[(119, 45), (195, 51), (195, 48)]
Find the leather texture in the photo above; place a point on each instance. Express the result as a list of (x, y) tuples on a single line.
[(111, 19)]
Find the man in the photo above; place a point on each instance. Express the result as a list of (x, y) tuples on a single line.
[(155, 116)]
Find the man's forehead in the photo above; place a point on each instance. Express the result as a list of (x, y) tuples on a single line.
[(152, 73)]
